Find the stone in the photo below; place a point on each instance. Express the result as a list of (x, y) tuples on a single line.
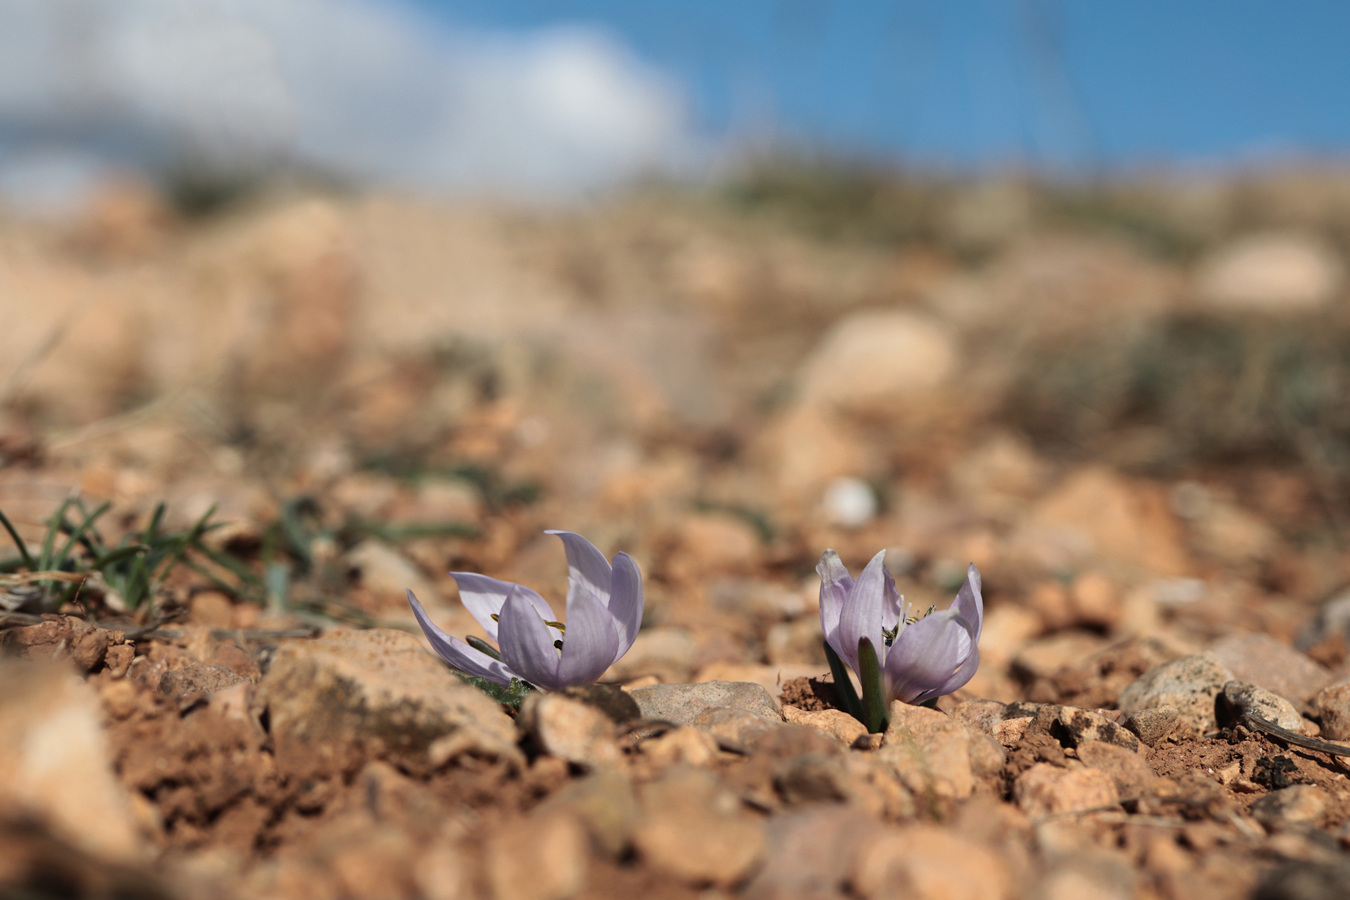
[(1189, 684), (1243, 697), (935, 755), (696, 831), (545, 857), (388, 573), (870, 360), (735, 727), (57, 763), (1274, 272), (1332, 704), (1121, 519), (810, 853), (772, 676), (1096, 601), (665, 653), (1073, 726), (834, 722), (1088, 877), (682, 704), (1152, 724), (197, 678), (612, 700), (570, 729), (1044, 657), (685, 744), (1047, 790), (927, 862), (1129, 771), (982, 714), (715, 542), (1304, 879), (605, 804), (1298, 806), (1010, 732), (1264, 661), (849, 503), (336, 701), (796, 644)]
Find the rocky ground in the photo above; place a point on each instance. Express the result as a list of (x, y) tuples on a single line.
[(1125, 406)]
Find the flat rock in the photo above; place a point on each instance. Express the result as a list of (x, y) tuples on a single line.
[(57, 764), (1189, 684), (684, 703), (1261, 660), (341, 699)]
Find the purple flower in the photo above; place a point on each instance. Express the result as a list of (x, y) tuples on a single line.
[(922, 658), (604, 612)]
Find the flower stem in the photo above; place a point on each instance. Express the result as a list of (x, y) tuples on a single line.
[(874, 688), (843, 685)]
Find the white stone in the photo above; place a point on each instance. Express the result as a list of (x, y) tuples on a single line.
[(850, 502), (1273, 272), (872, 359)]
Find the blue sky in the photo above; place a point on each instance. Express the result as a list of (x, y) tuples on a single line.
[(959, 82)]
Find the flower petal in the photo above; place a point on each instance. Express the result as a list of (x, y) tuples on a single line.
[(456, 652), (591, 643), (927, 655), (969, 602), (835, 585), (625, 602), (861, 613), (483, 598), (526, 642), (587, 568), (958, 679)]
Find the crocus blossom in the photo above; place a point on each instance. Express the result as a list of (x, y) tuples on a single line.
[(922, 658), (604, 611)]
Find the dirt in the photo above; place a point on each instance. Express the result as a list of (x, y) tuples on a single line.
[(656, 373)]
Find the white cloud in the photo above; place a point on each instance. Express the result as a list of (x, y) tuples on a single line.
[(363, 88)]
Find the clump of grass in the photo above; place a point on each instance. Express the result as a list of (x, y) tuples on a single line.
[(76, 556), (1220, 389)]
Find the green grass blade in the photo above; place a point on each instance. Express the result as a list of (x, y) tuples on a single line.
[(873, 687), (231, 564), (77, 534), (18, 542), (843, 685), (54, 528), (152, 530), (113, 557)]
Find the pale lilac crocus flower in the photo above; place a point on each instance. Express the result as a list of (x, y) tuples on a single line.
[(604, 611), (922, 658)]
